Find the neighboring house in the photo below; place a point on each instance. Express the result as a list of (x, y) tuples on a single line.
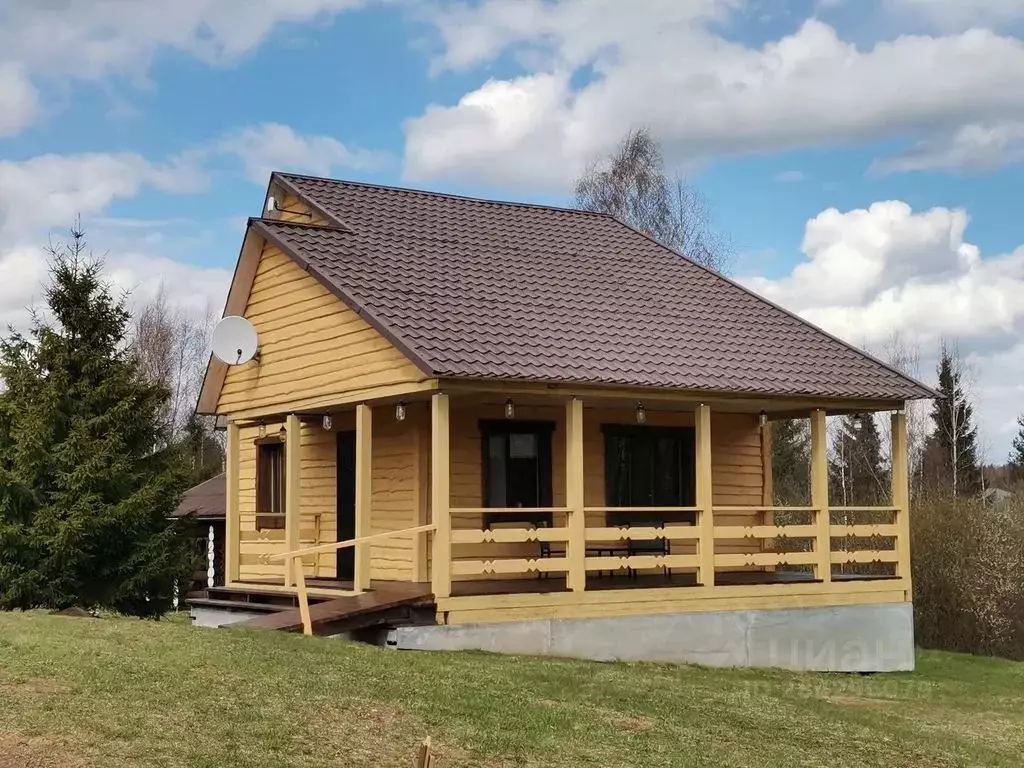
[(203, 507), (575, 420)]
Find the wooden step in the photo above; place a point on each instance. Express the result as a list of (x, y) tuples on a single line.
[(237, 605), (395, 603)]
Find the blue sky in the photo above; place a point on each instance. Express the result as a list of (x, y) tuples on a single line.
[(864, 156)]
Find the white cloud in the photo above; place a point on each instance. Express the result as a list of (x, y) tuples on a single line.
[(959, 14), (971, 147), (791, 177), (50, 190), (19, 101), (870, 272), (275, 147), (43, 195), (660, 64), (92, 39)]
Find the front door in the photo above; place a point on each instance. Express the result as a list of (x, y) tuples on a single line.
[(346, 502)]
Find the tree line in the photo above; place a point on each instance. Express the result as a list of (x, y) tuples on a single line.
[(98, 440)]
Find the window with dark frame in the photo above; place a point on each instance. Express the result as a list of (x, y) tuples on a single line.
[(270, 482), (517, 469), (649, 467)]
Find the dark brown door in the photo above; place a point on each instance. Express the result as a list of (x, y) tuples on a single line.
[(346, 502)]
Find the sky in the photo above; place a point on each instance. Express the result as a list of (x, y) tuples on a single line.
[(866, 157)]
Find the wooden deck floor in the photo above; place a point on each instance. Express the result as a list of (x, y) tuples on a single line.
[(339, 614)]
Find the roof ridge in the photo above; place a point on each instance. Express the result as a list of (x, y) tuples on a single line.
[(448, 195), (764, 300)]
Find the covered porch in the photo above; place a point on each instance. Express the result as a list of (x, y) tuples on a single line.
[(523, 502)]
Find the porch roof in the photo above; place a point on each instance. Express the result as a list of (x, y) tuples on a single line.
[(480, 289)]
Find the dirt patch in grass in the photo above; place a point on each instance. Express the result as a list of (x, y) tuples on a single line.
[(33, 686), (622, 721), (19, 752)]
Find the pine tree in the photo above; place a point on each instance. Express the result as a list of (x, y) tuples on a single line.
[(1016, 460), (857, 472), (87, 478), (951, 451), (791, 455)]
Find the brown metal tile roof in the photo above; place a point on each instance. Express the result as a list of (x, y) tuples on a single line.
[(205, 501), (483, 289)]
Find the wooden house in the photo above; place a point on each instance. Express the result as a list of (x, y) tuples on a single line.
[(202, 511), (546, 433)]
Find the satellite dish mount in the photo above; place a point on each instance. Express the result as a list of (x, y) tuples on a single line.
[(235, 341)]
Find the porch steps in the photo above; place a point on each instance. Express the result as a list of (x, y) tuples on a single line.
[(387, 604)]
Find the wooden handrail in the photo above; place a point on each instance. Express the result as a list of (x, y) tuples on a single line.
[(294, 559), (334, 545)]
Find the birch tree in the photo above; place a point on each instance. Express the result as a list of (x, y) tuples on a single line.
[(632, 185)]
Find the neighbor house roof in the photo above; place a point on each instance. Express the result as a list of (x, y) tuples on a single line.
[(491, 290), (205, 501)]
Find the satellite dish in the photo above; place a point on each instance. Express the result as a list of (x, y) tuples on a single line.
[(234, 340)]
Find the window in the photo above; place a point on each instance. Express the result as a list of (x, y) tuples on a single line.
[(517, 468), (269, 484), (649, 467)]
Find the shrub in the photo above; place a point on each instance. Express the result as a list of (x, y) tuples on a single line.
[(968, 570)]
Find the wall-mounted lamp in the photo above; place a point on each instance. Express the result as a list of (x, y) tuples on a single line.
[(510, 409), (763, 419), (400, 412), (328, 422), (858, 422), (263, 429), (641, 414)]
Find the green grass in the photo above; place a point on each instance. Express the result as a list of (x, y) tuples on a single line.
[(123, 692)]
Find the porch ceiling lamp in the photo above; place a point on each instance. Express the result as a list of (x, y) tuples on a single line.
[(858, 422), (328, 422), (641, 414), (510, 409), (400, 411)]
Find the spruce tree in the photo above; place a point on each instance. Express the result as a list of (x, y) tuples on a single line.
[(857, 473), (791, 455), (87, 477), (951, 451), (1016, 460)]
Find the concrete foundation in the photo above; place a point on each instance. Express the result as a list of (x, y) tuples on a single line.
[(220, 617), (849, 638)]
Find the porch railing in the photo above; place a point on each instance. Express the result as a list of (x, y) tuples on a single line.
[(293, 564), (818, 544)]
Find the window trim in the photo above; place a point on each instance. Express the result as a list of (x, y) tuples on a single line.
[(270, 520)]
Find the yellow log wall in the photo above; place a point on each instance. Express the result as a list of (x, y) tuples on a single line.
[(311, 344), (395, 505)]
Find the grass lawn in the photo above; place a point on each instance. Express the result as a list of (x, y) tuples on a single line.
[(124, 692)]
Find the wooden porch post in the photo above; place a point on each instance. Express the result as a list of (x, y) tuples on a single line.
[(232, 531), (576, 578), (819, 496), (292, 490), (705, 496), (440, 496), (901, 493), (364, 494)]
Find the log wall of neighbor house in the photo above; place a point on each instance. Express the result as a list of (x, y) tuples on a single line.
[(397, 503), (737, 469), (310, 343)]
